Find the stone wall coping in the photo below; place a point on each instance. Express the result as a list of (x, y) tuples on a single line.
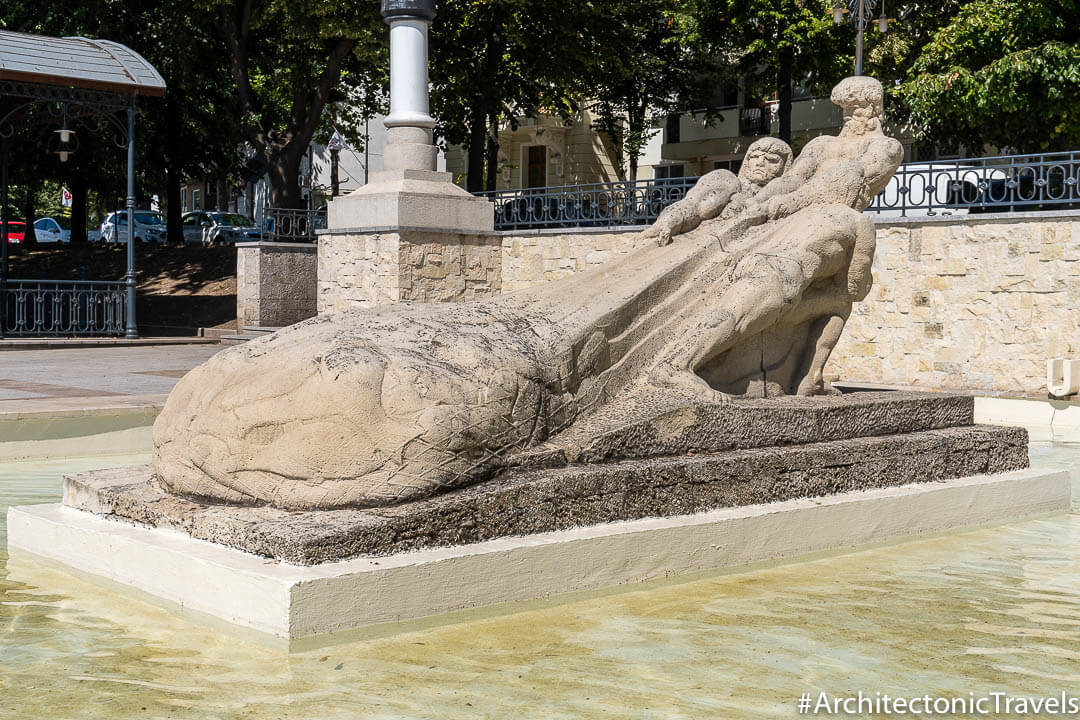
[(310, 247), (400, 229), (1039, 215), (605, 230)]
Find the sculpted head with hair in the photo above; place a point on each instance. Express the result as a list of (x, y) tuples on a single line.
[(742, 289)]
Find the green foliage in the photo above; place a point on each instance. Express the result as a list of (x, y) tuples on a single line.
[(1004, 73), (647, 61), (774, 42), (508, 58)]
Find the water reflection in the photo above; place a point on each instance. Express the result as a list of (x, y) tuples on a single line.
[(995, 609)]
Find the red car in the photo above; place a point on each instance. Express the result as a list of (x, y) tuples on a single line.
[(16, 231)]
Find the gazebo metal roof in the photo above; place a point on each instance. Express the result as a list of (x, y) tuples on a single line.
[(77, 62)]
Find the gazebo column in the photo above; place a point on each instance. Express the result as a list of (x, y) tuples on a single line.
[(131, 329), (5, 156)]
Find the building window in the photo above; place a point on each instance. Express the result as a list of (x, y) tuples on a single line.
[(732, 165), (196, 200), (671, 130), (666, 172)]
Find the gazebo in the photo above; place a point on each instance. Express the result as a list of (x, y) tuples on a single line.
[(64, 81)]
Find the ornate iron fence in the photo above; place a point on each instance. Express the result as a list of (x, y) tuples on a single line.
[(292, 225), (62, 308), (597, 204), (1002, 183)]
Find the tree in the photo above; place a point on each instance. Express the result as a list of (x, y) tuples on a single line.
[(779, 42), (496, 60), (647, 62), (1004, 73), (192, 132), (291, 60)]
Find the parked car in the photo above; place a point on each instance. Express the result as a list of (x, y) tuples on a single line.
[(149, 227), (211, 228), (49, 230), (16, 232), (940, 188)]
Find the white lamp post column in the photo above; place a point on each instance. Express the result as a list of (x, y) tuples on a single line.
[(409, 124), (408, 193)]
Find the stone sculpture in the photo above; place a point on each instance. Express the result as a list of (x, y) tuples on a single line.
[(379, 407), (766, 159)]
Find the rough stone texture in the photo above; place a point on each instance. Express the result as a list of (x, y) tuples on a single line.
[(967, 303), (659, 424), (524, 502), (531, 258), (397, 403), (363, 270), (275, 283)]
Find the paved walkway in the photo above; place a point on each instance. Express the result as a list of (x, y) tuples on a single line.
[(82, 379)]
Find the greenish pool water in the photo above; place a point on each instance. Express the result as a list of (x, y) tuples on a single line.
[(990, 610)]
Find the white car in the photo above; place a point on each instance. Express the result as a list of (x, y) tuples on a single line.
[(48, 230), (208, 228), (939, 188), (149, 227)]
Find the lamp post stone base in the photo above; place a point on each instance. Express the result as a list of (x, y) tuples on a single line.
[(412, 199)]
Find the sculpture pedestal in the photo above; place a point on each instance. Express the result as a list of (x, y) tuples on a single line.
[(650, 491), (293, 602)]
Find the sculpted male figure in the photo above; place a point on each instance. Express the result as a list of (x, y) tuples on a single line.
[(765, 160), (399, 402), (803, 269)]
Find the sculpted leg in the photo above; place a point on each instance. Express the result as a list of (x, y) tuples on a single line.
[(829, 334)]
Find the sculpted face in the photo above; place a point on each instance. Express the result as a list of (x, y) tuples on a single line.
[(766, 159), (763, 165)]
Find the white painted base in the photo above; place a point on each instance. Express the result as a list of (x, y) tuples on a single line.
[(293, 602), (1045, 420)]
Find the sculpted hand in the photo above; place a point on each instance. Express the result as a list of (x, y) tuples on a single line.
[(736, 205), (778, 207)]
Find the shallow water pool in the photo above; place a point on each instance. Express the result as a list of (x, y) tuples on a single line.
[(990, 610)]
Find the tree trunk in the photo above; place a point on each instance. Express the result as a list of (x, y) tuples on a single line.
[(474, 180), (29, 213), (492, 152), (79, 200), (783, 86), (284, 171), (173, 207)]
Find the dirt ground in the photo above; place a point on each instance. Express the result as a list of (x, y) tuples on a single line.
[(179, 289)]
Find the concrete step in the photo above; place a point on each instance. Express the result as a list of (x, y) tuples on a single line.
[(250, 333)]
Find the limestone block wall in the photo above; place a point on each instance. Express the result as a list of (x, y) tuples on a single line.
[(537, 256), (967, 302), (275, 283), (971, 302), (364, 269)]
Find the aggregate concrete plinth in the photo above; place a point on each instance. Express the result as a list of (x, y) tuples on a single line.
[(530, 501), (294, 602)]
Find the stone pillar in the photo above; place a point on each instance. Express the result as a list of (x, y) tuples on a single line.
[(409, 193)]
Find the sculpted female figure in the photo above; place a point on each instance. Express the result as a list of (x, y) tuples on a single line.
[(380, 406)]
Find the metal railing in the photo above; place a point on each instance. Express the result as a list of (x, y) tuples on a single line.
[(596, 204), (292, 225), (754, 121), (1001, 183), (62, 308)]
